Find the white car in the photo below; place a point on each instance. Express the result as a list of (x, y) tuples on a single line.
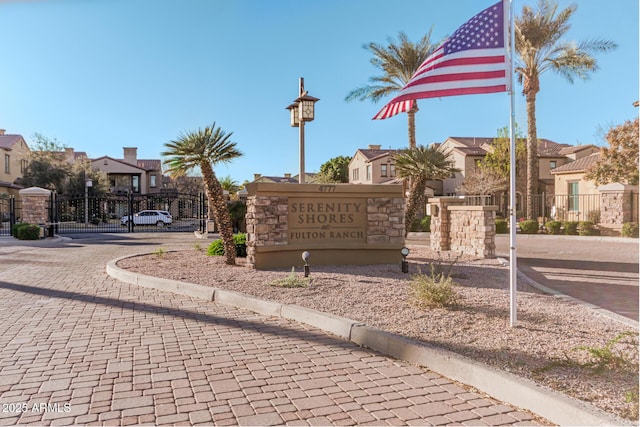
[(149, 217)]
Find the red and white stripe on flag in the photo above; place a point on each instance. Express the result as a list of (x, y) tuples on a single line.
[(391, 109), (472, 61)]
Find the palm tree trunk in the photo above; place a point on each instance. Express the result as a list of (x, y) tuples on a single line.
[(416, 196), (218, 205), (532, 154), (411, 125)]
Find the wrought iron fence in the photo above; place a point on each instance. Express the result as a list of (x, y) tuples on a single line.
[(10, 209), (91, 214), (564, 207)]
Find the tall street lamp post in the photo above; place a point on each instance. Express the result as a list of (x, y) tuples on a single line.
[(302, 110)]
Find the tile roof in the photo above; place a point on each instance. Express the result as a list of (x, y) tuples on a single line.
[(372, 154), (150, 164), (581, 165), (7, 141), (575, 148), (546, 147)]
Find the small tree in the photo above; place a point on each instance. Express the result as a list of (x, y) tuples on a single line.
[(619, 162), (335, 170), (483, 181), (498, 159), (47, 167)]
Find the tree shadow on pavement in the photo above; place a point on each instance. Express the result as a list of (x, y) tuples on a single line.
[(318, 337)]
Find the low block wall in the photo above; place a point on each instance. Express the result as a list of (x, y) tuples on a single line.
[(337, 224)]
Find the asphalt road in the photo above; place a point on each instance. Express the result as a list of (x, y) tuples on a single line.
[(597, 270)]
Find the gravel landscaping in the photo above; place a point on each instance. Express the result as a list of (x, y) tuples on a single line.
[(556, 342)]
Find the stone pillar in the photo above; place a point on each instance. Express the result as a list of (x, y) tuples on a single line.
[(440, 222), (473, 230), (35, 205), (616, 204), (267, 223)]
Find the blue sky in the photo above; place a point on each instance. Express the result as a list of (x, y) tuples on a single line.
[(99, 75)]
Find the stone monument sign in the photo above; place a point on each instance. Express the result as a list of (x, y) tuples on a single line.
[(337, 224)]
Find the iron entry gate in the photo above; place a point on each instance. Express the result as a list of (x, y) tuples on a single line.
[(108, 214), (9, 214)]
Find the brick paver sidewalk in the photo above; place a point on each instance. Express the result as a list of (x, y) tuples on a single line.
[(78, 347)]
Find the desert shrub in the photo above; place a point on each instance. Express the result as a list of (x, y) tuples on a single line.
[(587, 228), (502, 226), (630, 229), (570, 227), (594, 216), (529, 226), (291, 281), (553, 227), (216, 248), (159, 252), (27, 231), (434, 290)]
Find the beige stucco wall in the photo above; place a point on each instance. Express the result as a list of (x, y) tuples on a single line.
[(585, 187), (19, 152)]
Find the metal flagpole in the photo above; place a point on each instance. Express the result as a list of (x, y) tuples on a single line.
[(513, 280)]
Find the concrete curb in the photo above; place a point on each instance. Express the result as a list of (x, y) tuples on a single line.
[(509, 388), (607, 313)]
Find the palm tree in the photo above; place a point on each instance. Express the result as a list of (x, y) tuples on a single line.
[(229, 184), (398, 62), (421, 164), (540, 47), (203, 149)]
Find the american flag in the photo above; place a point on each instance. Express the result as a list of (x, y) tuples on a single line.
[(473, 60)]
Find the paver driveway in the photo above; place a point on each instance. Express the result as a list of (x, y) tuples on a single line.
[(78, 347)]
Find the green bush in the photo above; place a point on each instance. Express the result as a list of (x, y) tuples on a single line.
[(426, 223), (587, 228), (529, 226), (26, 231), (502, 226), (630, 229), (216, 248), (553, 227), (15, 227), (423, 224), (570, 228)]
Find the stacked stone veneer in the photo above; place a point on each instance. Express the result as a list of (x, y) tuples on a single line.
[(385, 220), (35, 205), (616, 204), (469, 230), (267, 223)]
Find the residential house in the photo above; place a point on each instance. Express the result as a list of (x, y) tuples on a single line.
[(140, 176), (15, 159), (372, 165), (576, 198), (309, 178)]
